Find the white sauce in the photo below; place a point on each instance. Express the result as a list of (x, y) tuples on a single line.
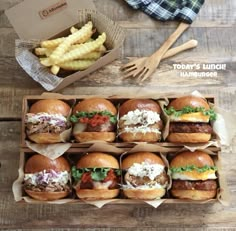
[(146, 169), (143, 117)]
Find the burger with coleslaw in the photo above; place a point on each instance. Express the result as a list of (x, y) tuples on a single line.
[(139, 120), (47, 120), (145, 177), (46, 179)]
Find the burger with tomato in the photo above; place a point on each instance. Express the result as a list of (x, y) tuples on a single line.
[(190, 118), (139, 120), (193, 176), (47, 120), (46, 179), (145, 176), (96, 176), (94, 119)]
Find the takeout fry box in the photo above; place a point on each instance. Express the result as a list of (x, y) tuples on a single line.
[(117, 101), (73, 154), (41, 74)]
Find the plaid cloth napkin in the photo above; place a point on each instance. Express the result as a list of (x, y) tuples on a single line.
[(182, 10)]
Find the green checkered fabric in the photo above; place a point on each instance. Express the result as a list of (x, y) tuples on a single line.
[(181, 10)]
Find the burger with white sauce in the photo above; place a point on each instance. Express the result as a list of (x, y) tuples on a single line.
[(46, 179), (47, 120), (145, 177), (139, 120), (96, 176)]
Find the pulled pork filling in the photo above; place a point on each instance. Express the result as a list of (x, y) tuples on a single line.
[(146, 176), (45, 123), (47, 181)]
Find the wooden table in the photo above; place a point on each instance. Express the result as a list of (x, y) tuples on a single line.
[(215, 30)]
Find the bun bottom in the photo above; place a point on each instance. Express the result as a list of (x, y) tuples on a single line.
[(193, 194), (140, 137), (91, 136), (97, 194), (45, 138), (144, 194), (46, 196), (189, 137)]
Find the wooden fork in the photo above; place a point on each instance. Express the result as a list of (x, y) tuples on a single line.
[(142, 68)]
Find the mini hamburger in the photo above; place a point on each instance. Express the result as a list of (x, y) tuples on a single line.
[(46, 179), (193, 176), (145, 176), (139, 120), (189, 120), (96, 176), (94, 119), (47, 120)]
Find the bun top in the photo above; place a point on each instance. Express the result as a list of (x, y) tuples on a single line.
[(38, 163), (189, 100), (197, 158), (140, 157), (51, 106), (141, 104), (97, 160), (95, 104)]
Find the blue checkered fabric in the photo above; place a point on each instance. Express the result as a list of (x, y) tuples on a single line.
[(181, 10)]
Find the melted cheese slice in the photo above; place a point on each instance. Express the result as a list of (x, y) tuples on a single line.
[(190, 117), (194, 175)]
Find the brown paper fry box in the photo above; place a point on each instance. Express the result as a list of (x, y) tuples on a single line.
[(41, 74)]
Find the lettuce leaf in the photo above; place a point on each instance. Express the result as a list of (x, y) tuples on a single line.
[(97, 174), (188, 109), (190, 168)]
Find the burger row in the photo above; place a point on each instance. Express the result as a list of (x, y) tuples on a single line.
[(135, 120), (141, 175)]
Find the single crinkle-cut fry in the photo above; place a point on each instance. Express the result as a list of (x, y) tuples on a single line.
[(43, 51), (92, 55), (76, 65), (78, 36), (52, 43), (55, 69), (46, 62), (83, 49), (73, 30)]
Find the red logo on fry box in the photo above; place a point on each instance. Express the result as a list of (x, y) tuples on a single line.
[(53, 9)]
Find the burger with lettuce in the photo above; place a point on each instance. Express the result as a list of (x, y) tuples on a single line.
[(190, 118), (193, 176), (94, 119), (96, 176)]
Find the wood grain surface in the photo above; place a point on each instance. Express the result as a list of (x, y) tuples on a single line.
[(214, 29)]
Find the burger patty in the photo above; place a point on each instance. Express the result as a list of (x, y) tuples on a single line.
[(162, 179), (181, 127), (105, 127), (44, 127), (194, 185), (51, 187)]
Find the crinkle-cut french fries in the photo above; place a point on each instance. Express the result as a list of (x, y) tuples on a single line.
[(76, 52), (83, 49), (81, 35), (77, 65)]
